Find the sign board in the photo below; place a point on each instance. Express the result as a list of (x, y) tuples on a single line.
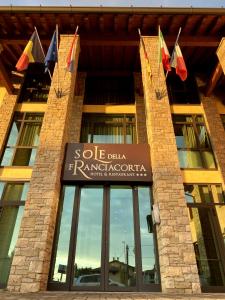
[(107, 162)]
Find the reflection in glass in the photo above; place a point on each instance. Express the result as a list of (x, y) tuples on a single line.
[(13, 134), (190, 159), (13, 192), (63, 235), (108, 129), (122, 268), (87, 265), (149, 266), (193, 144), (209, 264), (10, 220), (23, 140)]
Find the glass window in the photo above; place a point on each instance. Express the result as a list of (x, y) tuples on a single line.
[(103, 90), (23, 140), (193, 144), (14, 194), (108, 129), (150, 270), (207, 230), (36, 84), (63, 235)]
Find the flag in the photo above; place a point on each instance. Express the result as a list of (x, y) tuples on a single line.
[(178, 63), (164, 56), (33, 52), (70, 62), (52, 54)]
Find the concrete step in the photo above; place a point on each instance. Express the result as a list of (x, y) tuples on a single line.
[(4, 295)]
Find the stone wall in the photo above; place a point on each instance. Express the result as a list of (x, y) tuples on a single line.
[(140, 110), (176, 253), (7, 107), (30, 266), (216, 131), (77, 108)]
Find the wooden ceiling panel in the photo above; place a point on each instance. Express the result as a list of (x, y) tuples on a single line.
[(164, 23), (129, 57), (134, 22), (191, 23), (219, 26), (110, 40), (118, 57), (205, 24), (176, 23)]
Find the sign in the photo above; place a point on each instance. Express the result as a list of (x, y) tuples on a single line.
[(107, 162)]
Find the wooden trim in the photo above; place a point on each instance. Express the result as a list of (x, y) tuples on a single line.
[(201, 176), (110, 109), (31, 107), (15, 173), (186, 109)]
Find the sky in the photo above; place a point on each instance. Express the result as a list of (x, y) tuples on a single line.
[(137, 3)]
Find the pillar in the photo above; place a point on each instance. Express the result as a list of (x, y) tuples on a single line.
[(31, 262), (176, 253)]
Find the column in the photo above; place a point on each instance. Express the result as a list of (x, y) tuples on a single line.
[(176, 253), (140, 110), (77, 108), (7, 107), (216, 130), (31, 262)]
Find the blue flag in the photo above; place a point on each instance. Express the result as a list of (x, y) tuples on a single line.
[(52, 54)]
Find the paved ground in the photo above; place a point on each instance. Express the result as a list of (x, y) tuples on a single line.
[(105, 296)]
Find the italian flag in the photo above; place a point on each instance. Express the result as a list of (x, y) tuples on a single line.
[(164, 56), (178, 63)]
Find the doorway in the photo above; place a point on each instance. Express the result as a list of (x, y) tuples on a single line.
[(105, 240)]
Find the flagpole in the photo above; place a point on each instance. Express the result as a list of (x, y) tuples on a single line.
[(57, 48), (145, 52), (159, 49), (178, 35), (42, 50)]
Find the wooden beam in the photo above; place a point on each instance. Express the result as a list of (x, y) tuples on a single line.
[(126, 40), (4, 78), (213, 79)]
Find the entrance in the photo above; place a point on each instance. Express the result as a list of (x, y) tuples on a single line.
[(105, 240)]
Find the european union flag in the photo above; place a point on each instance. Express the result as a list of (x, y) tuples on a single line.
[(52, 54)]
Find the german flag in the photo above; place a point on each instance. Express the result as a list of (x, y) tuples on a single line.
[(33, 52)]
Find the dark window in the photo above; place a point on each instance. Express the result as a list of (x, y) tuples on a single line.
[(23, 140), (36, 85), (108, 129), (12, 200), (109, 90), (193, 144), (182, 92)]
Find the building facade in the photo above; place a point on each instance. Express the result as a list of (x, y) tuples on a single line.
[(118, 184)]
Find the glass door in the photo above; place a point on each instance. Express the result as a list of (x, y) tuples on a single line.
[(105, 240)]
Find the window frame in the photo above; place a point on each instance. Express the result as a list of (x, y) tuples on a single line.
[(12, 203), (194, 124), (20, 118), (91, 119)]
